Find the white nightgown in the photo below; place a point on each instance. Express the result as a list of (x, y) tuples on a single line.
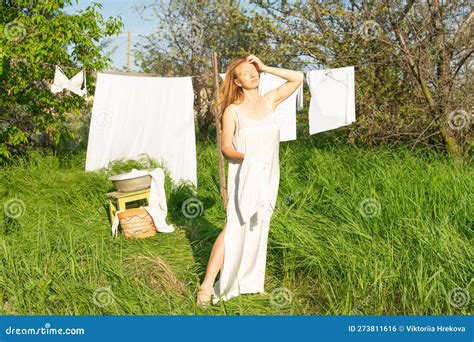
[(245, 244)]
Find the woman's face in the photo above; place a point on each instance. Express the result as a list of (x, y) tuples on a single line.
[(247, 76)]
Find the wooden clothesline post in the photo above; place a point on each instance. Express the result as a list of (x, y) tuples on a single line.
[(223, 186)]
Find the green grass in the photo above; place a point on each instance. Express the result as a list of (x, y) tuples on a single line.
[(400, 253)]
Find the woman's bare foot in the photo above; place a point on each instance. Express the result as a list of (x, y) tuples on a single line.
[(263, 294)]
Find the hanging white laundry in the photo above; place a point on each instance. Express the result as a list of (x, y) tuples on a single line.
[(157, 207), (133, 115), (299, 98), (332, 102), (285, 112), (61, 82)]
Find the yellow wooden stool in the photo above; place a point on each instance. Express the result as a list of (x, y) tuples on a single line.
[(118, 200)]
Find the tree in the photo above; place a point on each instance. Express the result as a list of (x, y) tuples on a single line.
[(436, 41), (413, 63), (35, 36)]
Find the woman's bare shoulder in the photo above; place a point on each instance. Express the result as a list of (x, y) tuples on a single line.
[(229, 112), (230, 108)]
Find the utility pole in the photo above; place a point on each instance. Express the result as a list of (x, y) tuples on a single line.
[(128, 53)]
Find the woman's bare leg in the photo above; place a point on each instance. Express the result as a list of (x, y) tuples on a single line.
[(216, 261)]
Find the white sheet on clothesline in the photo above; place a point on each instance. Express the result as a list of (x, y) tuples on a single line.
[(332, 102), (135, 115)]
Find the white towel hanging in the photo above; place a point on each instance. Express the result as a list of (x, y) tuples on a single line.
[(332, 102)]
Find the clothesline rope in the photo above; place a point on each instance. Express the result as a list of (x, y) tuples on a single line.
[(132, 73), (120, 72)]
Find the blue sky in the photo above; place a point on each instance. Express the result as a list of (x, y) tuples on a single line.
[(131, 20)]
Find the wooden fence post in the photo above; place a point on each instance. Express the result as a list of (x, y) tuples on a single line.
[(222, 178)]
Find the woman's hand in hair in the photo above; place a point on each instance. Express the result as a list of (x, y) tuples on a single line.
[(257, 62)]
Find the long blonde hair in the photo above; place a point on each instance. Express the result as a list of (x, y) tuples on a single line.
[(229, 92)]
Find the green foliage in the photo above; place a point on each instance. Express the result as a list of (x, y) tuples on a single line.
[(123, 166), (34, 37)]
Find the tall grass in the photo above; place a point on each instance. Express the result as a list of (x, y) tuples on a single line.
[(355, 231)]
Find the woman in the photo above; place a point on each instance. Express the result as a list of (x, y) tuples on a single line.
[(250, 135)]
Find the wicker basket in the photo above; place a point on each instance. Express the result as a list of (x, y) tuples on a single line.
[(136, 223)]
